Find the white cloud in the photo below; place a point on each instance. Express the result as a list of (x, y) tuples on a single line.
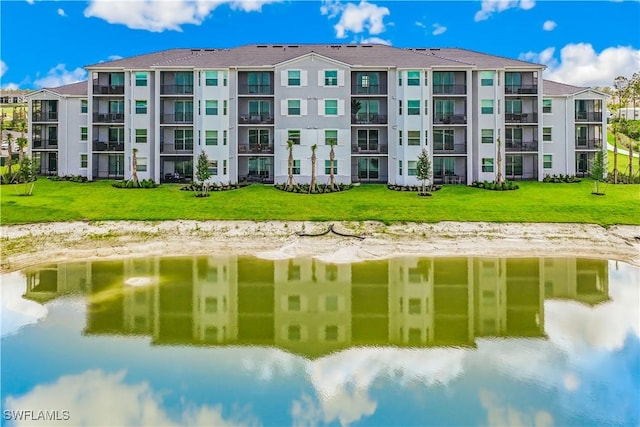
[(158, 16), (549, 25), (375, 40), (114, 57), (59, 76), (356, 18), (581, 65), (500, 413), (11, 86), (91, 396), (438, 29), (420, 24), (61, 12), (16, 311), (489, 7), (29, 1), (3, 68)]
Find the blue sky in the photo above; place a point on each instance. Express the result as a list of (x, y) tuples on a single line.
[(584, 43)]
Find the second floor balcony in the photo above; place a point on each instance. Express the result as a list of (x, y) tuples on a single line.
[(176, 147), (447, 118), (258, 118), (176, 118), (107, 89), (176, 89), (102, 146), (45, 116), (369, 147), (369, 118), (521, 117), (108, 117), (520, 145), (449, 147), (588, 116), (45, 143), (588, 143), (255, 148), (449, 89), (255, 89)]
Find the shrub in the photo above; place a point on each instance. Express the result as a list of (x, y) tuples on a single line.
[(492, 185), (145, 183)]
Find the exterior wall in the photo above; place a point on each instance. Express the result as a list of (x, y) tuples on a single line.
[(312, 122), (70, 145), (146, 151), (560, 120)]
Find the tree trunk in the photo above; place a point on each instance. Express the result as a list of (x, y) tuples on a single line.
[(499, 178), (313, 172), (134, 167), (332, 158), (290, 180)]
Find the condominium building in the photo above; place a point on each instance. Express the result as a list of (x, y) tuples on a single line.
[(380, 105)]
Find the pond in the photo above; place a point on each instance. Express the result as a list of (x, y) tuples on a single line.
[(243, 341)]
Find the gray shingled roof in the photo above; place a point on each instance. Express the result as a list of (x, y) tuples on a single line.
[(257, 55), (79, 88), (555, 88)]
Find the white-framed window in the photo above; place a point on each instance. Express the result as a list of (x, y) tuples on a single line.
[(413, 78), (400, 137), (224, 167), (329, 135), (331, 77), (141, 78), (224, 139), (400, 167), (412, 168), (224, 107), (141, 135), (546, 106), (293, 77), (413, 107), (413, 137), (327, 167), (296, 167), (84, 133), (546, 134), (547, 161), (293, 107), (141, 106), (487, 164), (487, 136), (399, 78), (330, 107), (211, 78), (84, 161), (211, 107), (486, 78), (141, 164), (486, 106), (213, 167), (294, 135), (210, 137), (84, 106)]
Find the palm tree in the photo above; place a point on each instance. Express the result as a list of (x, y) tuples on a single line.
[(290, 144), (10, 152), (312, 187), (332, 158), (499, 177), (134, 167)]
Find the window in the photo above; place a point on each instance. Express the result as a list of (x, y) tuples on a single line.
[(224, 107), (211, 137), (486, 78), (84, 160), (331, 302), (296, 167), (211, 78), (327, 167), (399, 78), (546, 134), (224, 137), (224, 78), (329, 136), (293, 77), (413, 78), (400, 167), (414, 306), (84, 106), (331, 333), (368, 139), (141, 135), (294, 135), (400, 107), (141, 78), (224, 167), (330, 77), (487, 106), (183, 139), (141, 106), (258, 140), (294, 302), (400, 137), (84, 134), (293, 332), (259, 111), (546, 106), (413, 137), (443, 139), (213, 167), (413, 107), (141, 165), (368, 82), (426, 107), (293, 107), (547, 161), (512, 106), (211, 107), (487, 164), (412, 168), (487, 136), (331, 107), (211, 305)]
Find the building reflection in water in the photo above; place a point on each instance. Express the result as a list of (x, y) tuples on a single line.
[(313, 308)]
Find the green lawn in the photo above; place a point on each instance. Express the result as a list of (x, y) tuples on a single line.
[(623, 158), (533, 202)]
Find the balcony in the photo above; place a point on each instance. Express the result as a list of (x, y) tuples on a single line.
[(368, 90), (449, 119), (588, 116), (521, 117), (588, 143), (370, 148), (99, 146), (368, 119), (523, 89), (449, 148), (108, 117), (176, 89), (515, 145), (173, 148), (176, 118), (108, 90), (255, 149), (45, 116), (450, 89), (45, 144), (255, 89), (256, 119)]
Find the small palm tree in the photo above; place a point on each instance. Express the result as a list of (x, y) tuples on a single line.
[(134, 166), (10, 152), (332, 158), (499, 177), (312, 187), (290, 144)]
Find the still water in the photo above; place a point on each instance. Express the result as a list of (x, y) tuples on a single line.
[(241, 341)]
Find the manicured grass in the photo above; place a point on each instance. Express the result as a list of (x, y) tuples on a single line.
[(623, 158), (533, 202)]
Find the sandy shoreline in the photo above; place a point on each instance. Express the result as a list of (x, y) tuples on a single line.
[(27, 245)]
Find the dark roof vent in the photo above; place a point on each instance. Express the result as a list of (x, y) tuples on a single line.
[(262, 45), (352, 45), (366, 45), (293, 45), (277, 46), (434, 48)]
